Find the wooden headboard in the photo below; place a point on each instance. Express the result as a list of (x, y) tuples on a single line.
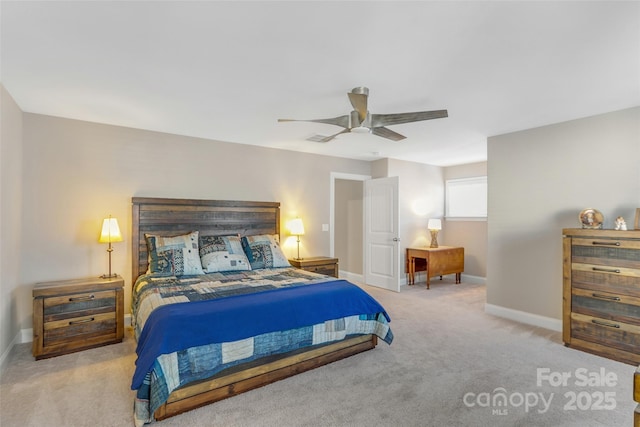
[(171, 217)]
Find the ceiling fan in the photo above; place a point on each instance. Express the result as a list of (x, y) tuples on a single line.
[(361, 121)]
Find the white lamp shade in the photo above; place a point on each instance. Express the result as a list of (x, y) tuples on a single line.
[(434, 224), (110, 231), (296, 227)]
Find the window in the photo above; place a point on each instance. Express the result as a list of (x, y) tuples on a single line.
[(466, 198)]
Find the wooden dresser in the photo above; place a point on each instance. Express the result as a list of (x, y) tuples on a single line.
[(601, 292), (74, 315), (636, 397), (317, 264)]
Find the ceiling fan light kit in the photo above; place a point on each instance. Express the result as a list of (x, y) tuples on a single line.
[(361, 121), (361, 129)]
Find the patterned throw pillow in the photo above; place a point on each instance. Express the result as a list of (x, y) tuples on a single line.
[(264, 251), (176, 255), (222, 253)]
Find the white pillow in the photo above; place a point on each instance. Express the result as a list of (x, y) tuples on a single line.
[(222, 253)]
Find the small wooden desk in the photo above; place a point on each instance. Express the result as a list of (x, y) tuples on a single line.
[(440, 261)]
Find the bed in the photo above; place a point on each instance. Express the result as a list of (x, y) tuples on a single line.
[(271, 320)]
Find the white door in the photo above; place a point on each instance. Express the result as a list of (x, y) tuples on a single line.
[(381, 237)]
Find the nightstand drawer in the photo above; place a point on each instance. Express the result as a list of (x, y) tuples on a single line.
[(79, 328), (318, 264), (329, 270), (76, 305)]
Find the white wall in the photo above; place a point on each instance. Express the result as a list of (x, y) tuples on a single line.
[(10, 219), (76, 173), (472, 235), (539, 180)]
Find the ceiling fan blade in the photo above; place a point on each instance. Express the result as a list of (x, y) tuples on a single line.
[(359, 97), (342, 121), (400, 118), (387, 133), (321, 138)]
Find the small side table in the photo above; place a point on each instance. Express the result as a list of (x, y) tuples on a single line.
[(78, 314), (317, 264), (440, 261)]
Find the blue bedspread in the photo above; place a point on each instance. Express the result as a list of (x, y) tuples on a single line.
[(233, 318)]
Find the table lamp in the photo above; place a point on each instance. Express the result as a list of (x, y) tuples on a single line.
[(434, 225), (110, 233), (296, 228)]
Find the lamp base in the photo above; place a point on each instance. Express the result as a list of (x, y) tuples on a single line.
[(434, 238), (108, 276)]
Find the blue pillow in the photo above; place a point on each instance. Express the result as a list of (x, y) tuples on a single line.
[(264, 251), (176, 255)]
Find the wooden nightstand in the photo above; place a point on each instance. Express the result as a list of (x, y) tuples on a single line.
[(74, 315), (317, 264)]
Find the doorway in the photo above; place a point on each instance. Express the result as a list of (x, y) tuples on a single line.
[(366, 254), (347, 224)]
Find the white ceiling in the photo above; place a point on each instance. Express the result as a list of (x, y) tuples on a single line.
[(228, 70)]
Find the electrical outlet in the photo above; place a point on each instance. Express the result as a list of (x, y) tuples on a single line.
[(325, 227)]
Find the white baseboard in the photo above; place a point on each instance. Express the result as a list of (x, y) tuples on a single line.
[(359, 278), (5, 356), (524, 317), (352, 277), (473, 279)]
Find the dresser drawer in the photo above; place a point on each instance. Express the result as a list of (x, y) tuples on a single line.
[(606, 332), (604, 305), (606, 252), (617, 280)]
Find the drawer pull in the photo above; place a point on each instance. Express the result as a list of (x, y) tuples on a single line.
[(606, 243), (605, 297), (86, 298), (609, 324), (75, 322), (606, 270)]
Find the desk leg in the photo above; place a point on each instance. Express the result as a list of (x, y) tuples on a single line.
[(412, 270), (428, 283), (458, 278)]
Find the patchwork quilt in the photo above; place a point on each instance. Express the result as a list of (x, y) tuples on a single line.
[(179, 366)]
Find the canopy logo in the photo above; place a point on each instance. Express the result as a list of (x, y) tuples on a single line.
[(499, 401), (589, 396)]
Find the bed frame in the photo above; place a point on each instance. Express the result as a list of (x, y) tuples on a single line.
[(223, 217)]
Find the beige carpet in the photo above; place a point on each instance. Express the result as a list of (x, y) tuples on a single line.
[(448, 362)]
